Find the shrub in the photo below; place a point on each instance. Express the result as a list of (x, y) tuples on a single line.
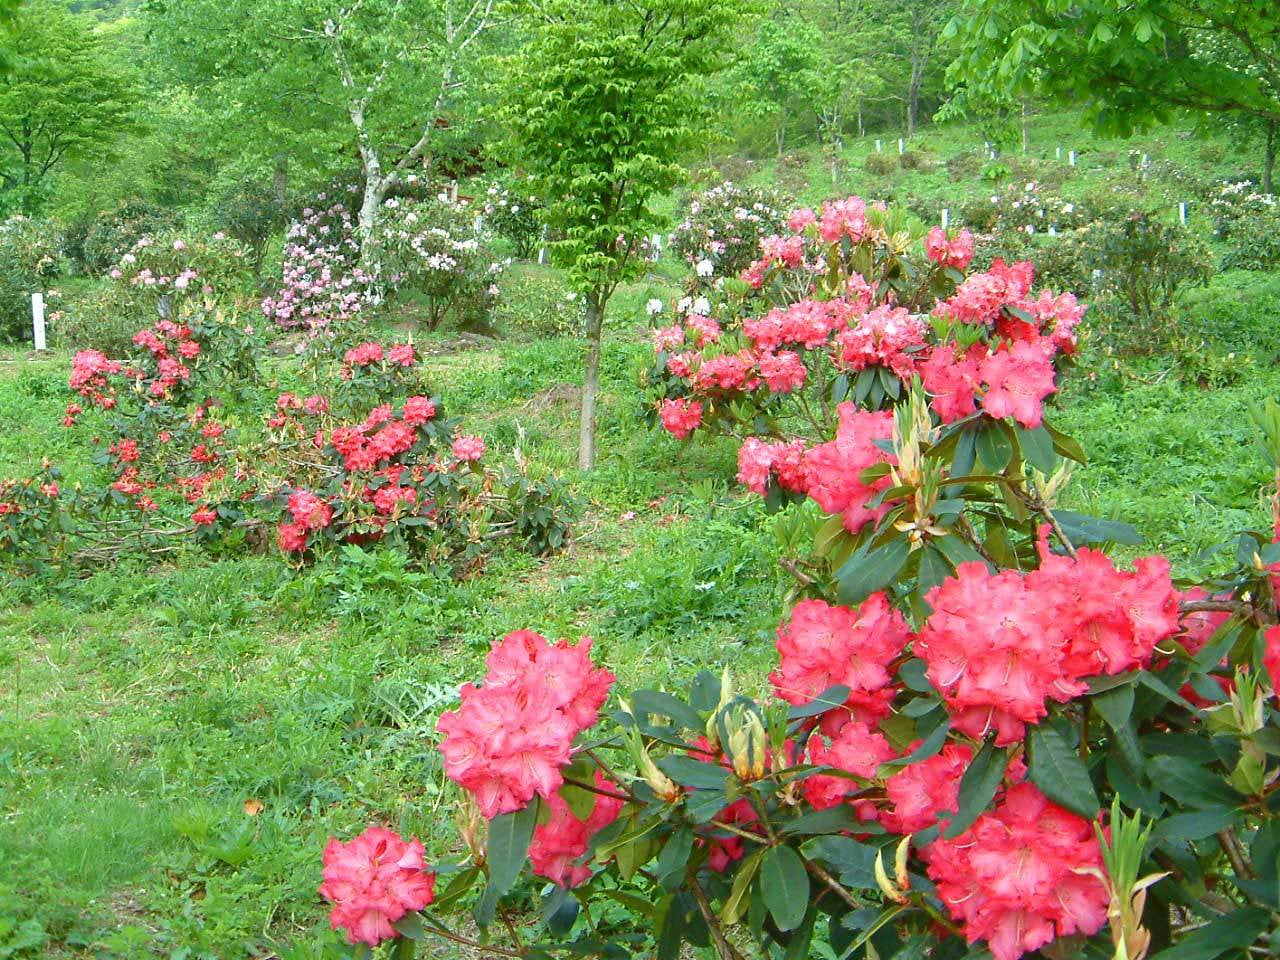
[(537, 303), (322, 284), (433, 248), (99, 244), (251, 213), (911, 160), (1255, 243), (722, 227), (1143, 264), (964, 166), (1237, 204), (30, 258), (880, 164), (513, 216)]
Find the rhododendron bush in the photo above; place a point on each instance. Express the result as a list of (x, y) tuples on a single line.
[(984, 735), (194, 449)]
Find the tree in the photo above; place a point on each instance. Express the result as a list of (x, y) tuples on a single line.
[(377, 76), (601, 101), (64, 96), (1131, 65), (777, 74)]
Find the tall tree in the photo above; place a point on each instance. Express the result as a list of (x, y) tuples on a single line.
[(601, 102), (1130, 64), (372, 76), (64, 96)]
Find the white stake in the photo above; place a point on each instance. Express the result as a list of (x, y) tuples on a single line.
[(1058, 152), (37, 319), (542, 251), (453, 191), (901, 147), (946, 217), (1072, 158), (479, 224), (877, 146), (1182, 213)]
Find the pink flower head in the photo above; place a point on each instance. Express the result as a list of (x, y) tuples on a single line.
[(466, 447), (560, 843), (856, 749), (309, 511), (372, 882), (801, 218), (707, 330), (1023, 875), (835, 468), (951, 379), (204, 516), (823, 646), (364, 354), (783, 371), (1271, 657), (680, 417), (758, 460), (945, 252), (291, 537), (1018, 380), (401, 354), (843, 218), (668, 338), (418, 410), (511, 736)]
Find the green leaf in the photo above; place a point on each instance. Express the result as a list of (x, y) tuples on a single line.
[(674, 858), (828, 699), (1189, 783), (818, 822), (1037, 448), (978, 787), (1058, 771), (1115, 706), (1065, 445), (733, 905), (664, 704), (870, 570), (509, 837), (1229, 932), (1195, 825), (995, 450), (785, 885), (853, 861), (928, 747), (694, 773), (1084, 530)]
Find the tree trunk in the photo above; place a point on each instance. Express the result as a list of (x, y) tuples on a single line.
[(280, 179), (591, 382), (780, 135), (1269, 163), (1024, 124), (862, 129)]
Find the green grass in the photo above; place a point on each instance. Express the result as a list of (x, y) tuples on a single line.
[(141, 707)]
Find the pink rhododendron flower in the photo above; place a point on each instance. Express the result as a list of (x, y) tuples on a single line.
[(954, 252), (512, 735), (560, 842), (835, 468), (363, 354), (468, 447), (401, 354), (919, 793), (758, 460), (952, 381), (309, 511), (1018, 380), (801, 218), (843, 218), (784, 372), (668, 338), (822, 646), (372, 882), (1023, 875), (418, 410), (1271, 657), (887, 336), (680, 417), (856, 749)]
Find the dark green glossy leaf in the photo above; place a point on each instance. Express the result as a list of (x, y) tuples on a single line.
[(785, 885), (978, 787), (1059, 772)]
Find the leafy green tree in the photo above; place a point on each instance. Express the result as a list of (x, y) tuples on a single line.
[(65, 96), (319, 78), (602, 100), (782, 74), (1130, 64)]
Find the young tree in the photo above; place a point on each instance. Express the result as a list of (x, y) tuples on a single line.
[(64, 96), (1131, 64), (601, 102), (777, 74)]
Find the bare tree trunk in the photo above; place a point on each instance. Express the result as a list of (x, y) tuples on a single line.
[(1024, 124), (862, 129), (280, 179), (780, 135), (591, 382), (1269, 163)]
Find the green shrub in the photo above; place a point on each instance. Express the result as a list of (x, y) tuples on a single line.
[(251, 213), (30, 257), (538, 304), (1143, 263), (881, 164), (1255, 244), (964, 166), (513, 216), (722, 227), (911, 160), (99, 244)]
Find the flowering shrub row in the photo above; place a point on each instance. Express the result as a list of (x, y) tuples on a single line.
[(722, 228), (983, 735)]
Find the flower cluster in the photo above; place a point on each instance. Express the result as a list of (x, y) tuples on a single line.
[(1000, 647), (559, 844), (1023, 875), (514, 733), (322, 282), (372, 882), (722, 229)]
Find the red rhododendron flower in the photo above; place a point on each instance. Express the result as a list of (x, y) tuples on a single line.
[(372, 882), (512, 735), (856, 749), (822, 646), (401, 354), (707, 330), (835, 468), (955, 252), (1022, 875), (560, 842), (364, 354), (784, 371), (920, 792), (888, 336), (1271, 657), (204, 516), (1018, 380), (309, 511), (418, 410), (952, 381), (759, 460), (668, 338), (291, 537), (680, 417), (843, 218)]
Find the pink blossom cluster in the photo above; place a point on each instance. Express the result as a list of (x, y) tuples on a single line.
[(511, 737), (1026, 873), (372, 882), (559, 844), (322, 283), (947, 251), (1012, 380), (999, 647)]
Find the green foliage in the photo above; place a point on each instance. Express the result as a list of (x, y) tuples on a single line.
[(98, 243), (880, 164), (30, 261), (251, 213), (65, 97)]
